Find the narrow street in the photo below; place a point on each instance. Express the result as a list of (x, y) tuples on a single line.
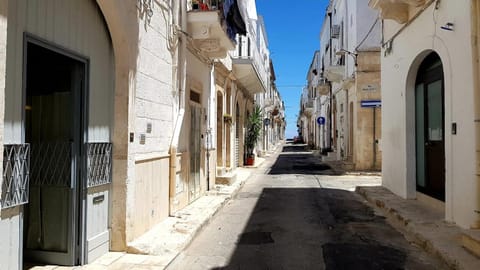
[(295, 213)]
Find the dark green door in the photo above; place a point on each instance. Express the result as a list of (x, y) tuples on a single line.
[(430, 134)]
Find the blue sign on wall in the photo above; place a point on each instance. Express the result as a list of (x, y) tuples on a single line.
[(266, 121), (321, 120), (371, 103)]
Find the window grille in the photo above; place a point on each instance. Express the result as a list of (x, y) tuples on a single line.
[(16, 175), (335, 31), (99, 164), (195, 96)]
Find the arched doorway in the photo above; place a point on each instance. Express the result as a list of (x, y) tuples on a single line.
[(429, 127)]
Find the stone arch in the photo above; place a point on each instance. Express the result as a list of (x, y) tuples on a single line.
[(122, 22)]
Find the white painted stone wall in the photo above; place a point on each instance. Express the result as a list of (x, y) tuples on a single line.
[(155, 110), (399, 70), (154, 98)]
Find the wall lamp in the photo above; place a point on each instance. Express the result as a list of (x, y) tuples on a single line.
[(345, 52)]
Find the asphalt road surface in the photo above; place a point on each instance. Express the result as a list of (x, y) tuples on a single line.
[(295, 213)]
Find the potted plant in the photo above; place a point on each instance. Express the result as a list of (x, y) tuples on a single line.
[(195, 5), (254, 127)]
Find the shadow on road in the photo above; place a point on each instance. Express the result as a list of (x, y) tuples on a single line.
[(313, 228), (298, 159)]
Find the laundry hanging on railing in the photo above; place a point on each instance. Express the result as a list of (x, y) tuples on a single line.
[(235, 22)]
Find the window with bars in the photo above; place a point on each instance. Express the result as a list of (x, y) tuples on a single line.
[(99, 164), (16, 175)]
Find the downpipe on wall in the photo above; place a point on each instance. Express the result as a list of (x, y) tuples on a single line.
[(179, 83)]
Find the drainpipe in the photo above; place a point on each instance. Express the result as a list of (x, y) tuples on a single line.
[(211, 119), (330, 87), (374, 139), (476, 98), (179, 83)]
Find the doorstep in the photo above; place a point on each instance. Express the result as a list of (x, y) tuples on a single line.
[(424, 226), (172, 235)]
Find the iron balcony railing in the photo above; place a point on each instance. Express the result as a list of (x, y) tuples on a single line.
[(247, 49), (206, 5), (309, 104)]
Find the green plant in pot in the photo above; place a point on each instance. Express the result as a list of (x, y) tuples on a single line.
[(195, 5), (254, 127)]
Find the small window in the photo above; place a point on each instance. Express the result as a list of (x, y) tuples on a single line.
[(195, 96)]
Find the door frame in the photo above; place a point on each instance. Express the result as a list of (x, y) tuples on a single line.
[(81, 98), (426, 78)]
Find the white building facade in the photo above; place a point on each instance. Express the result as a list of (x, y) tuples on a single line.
[(430, 104), (343, 82), (109, 128)]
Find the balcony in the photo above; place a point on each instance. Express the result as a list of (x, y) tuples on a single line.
[(248, 66), (309, 108), (209, 29), (396, 10), (268, 102), (335, 73), (323, 87)]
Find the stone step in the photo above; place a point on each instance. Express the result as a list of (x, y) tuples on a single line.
[(332, 154), (226, 179), (471, 241), (348, 165)]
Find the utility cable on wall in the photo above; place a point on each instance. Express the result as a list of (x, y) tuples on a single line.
[(367, 35)]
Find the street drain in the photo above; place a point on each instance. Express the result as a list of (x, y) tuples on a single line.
[(256, 238)]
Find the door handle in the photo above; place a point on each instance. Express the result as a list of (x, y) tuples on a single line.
[(428, 143)]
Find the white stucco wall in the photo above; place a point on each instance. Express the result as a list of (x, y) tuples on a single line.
[(398, 126), (54, 22), (155, 107), (365, 18), (9, 218)]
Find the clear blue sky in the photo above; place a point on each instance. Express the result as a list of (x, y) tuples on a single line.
[(293, 29)]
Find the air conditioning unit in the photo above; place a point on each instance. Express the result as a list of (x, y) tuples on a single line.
[(335, 32)]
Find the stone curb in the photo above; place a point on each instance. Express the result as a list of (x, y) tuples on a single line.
[(207, 220), (412, 231)]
